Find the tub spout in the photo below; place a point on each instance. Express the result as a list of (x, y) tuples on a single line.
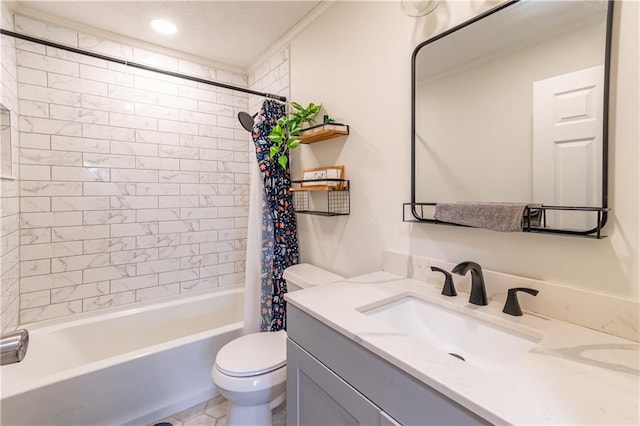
[(13, 346)]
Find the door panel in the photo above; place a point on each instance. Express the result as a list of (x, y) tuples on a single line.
[(567, 145)]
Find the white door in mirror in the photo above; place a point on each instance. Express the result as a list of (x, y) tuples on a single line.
[(567, 145)]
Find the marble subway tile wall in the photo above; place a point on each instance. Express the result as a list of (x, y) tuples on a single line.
[(271, 76), (9, 202), (134, 185)]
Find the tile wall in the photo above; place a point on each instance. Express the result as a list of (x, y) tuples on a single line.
[(9, 202), (270, 76), (134, 185)]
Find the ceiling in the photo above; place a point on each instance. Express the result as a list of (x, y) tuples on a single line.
[(230, 32)]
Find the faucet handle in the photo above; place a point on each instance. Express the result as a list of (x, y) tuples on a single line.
[(512, 306), (449, 289)]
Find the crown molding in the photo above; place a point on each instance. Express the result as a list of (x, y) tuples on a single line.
[(290, 35)]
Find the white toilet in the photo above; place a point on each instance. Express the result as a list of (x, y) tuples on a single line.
[(251, 371)]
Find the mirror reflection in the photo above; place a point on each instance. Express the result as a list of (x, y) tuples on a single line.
[(510, 109)]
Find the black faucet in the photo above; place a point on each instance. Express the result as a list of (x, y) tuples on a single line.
[(478, 294), (512, 306), (448, 289)]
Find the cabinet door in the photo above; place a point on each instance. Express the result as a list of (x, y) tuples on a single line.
[(318, 397), (387, 420)]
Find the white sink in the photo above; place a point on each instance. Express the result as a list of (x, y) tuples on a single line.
[(474, 340)]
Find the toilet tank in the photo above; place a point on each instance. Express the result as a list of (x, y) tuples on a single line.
[(306, 275)]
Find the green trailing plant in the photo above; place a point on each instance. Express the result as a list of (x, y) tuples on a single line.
[(284, 134)]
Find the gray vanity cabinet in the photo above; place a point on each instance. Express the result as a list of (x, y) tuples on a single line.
[(322, 398), (332, 380)]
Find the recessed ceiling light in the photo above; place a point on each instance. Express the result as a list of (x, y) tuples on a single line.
[(164, 27)]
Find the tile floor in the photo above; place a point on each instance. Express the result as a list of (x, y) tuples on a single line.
[(214, 413)]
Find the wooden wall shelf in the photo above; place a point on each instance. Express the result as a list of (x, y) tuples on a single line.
[(323, 132)]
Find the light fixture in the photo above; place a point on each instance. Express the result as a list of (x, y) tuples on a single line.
[(417, 8), (164, 27)]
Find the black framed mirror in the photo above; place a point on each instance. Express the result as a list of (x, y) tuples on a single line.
[(512, 107)]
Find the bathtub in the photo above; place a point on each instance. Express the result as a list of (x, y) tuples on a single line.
[(131, 365)]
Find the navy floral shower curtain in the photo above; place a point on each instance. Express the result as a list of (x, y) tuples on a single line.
[(279, 236)]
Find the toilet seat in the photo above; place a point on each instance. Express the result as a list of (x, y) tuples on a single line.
[(253, 354)]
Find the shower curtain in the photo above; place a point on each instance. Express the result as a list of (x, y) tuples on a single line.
[(272, 243)]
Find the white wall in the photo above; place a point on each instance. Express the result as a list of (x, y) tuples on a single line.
[(356, 60)]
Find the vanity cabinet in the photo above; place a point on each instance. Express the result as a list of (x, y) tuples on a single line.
[(332, 380), (323, 398)]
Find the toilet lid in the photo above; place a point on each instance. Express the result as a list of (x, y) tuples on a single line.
[(253, 354)]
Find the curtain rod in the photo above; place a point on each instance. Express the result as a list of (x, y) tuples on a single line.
[(139, 66)]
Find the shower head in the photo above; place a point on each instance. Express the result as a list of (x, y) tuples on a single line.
[(246, 120)]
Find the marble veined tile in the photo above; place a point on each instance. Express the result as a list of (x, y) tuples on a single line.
[(48, 219), (78, 85), (65, 294), (156, 266), (35, 204), (129, 257), (179, 276), (134, 202), (50, 189), (34, 267), (67, 143), (49, 95), (50, 126), (51, 158), (157, 163), (79, 233), (178, 201), (35, 299), (134, 229), (47, 31), (78, 115), (109, 245), (99, 217), (157, 292), (197, 70), (134, 283), (108, 273), (49, 281), (177, 102), (199, 285), (88, 72), (75, 263), (108, 301), (79, 174), (50, 311), (163, 240), (79, 203), (178, 251), (109, 188), (35, 236), (109, 160), (47, 63), (106, 47)]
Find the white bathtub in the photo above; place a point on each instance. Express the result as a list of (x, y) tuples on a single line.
[(121, 366)]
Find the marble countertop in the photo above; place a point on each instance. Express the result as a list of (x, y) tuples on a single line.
[(572, 376)]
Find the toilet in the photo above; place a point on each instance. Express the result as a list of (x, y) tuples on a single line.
[(251, 371)]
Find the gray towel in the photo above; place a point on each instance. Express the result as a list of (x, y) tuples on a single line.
[(503, 217)]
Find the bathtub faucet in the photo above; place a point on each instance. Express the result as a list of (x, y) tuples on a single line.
[(13, 346)]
